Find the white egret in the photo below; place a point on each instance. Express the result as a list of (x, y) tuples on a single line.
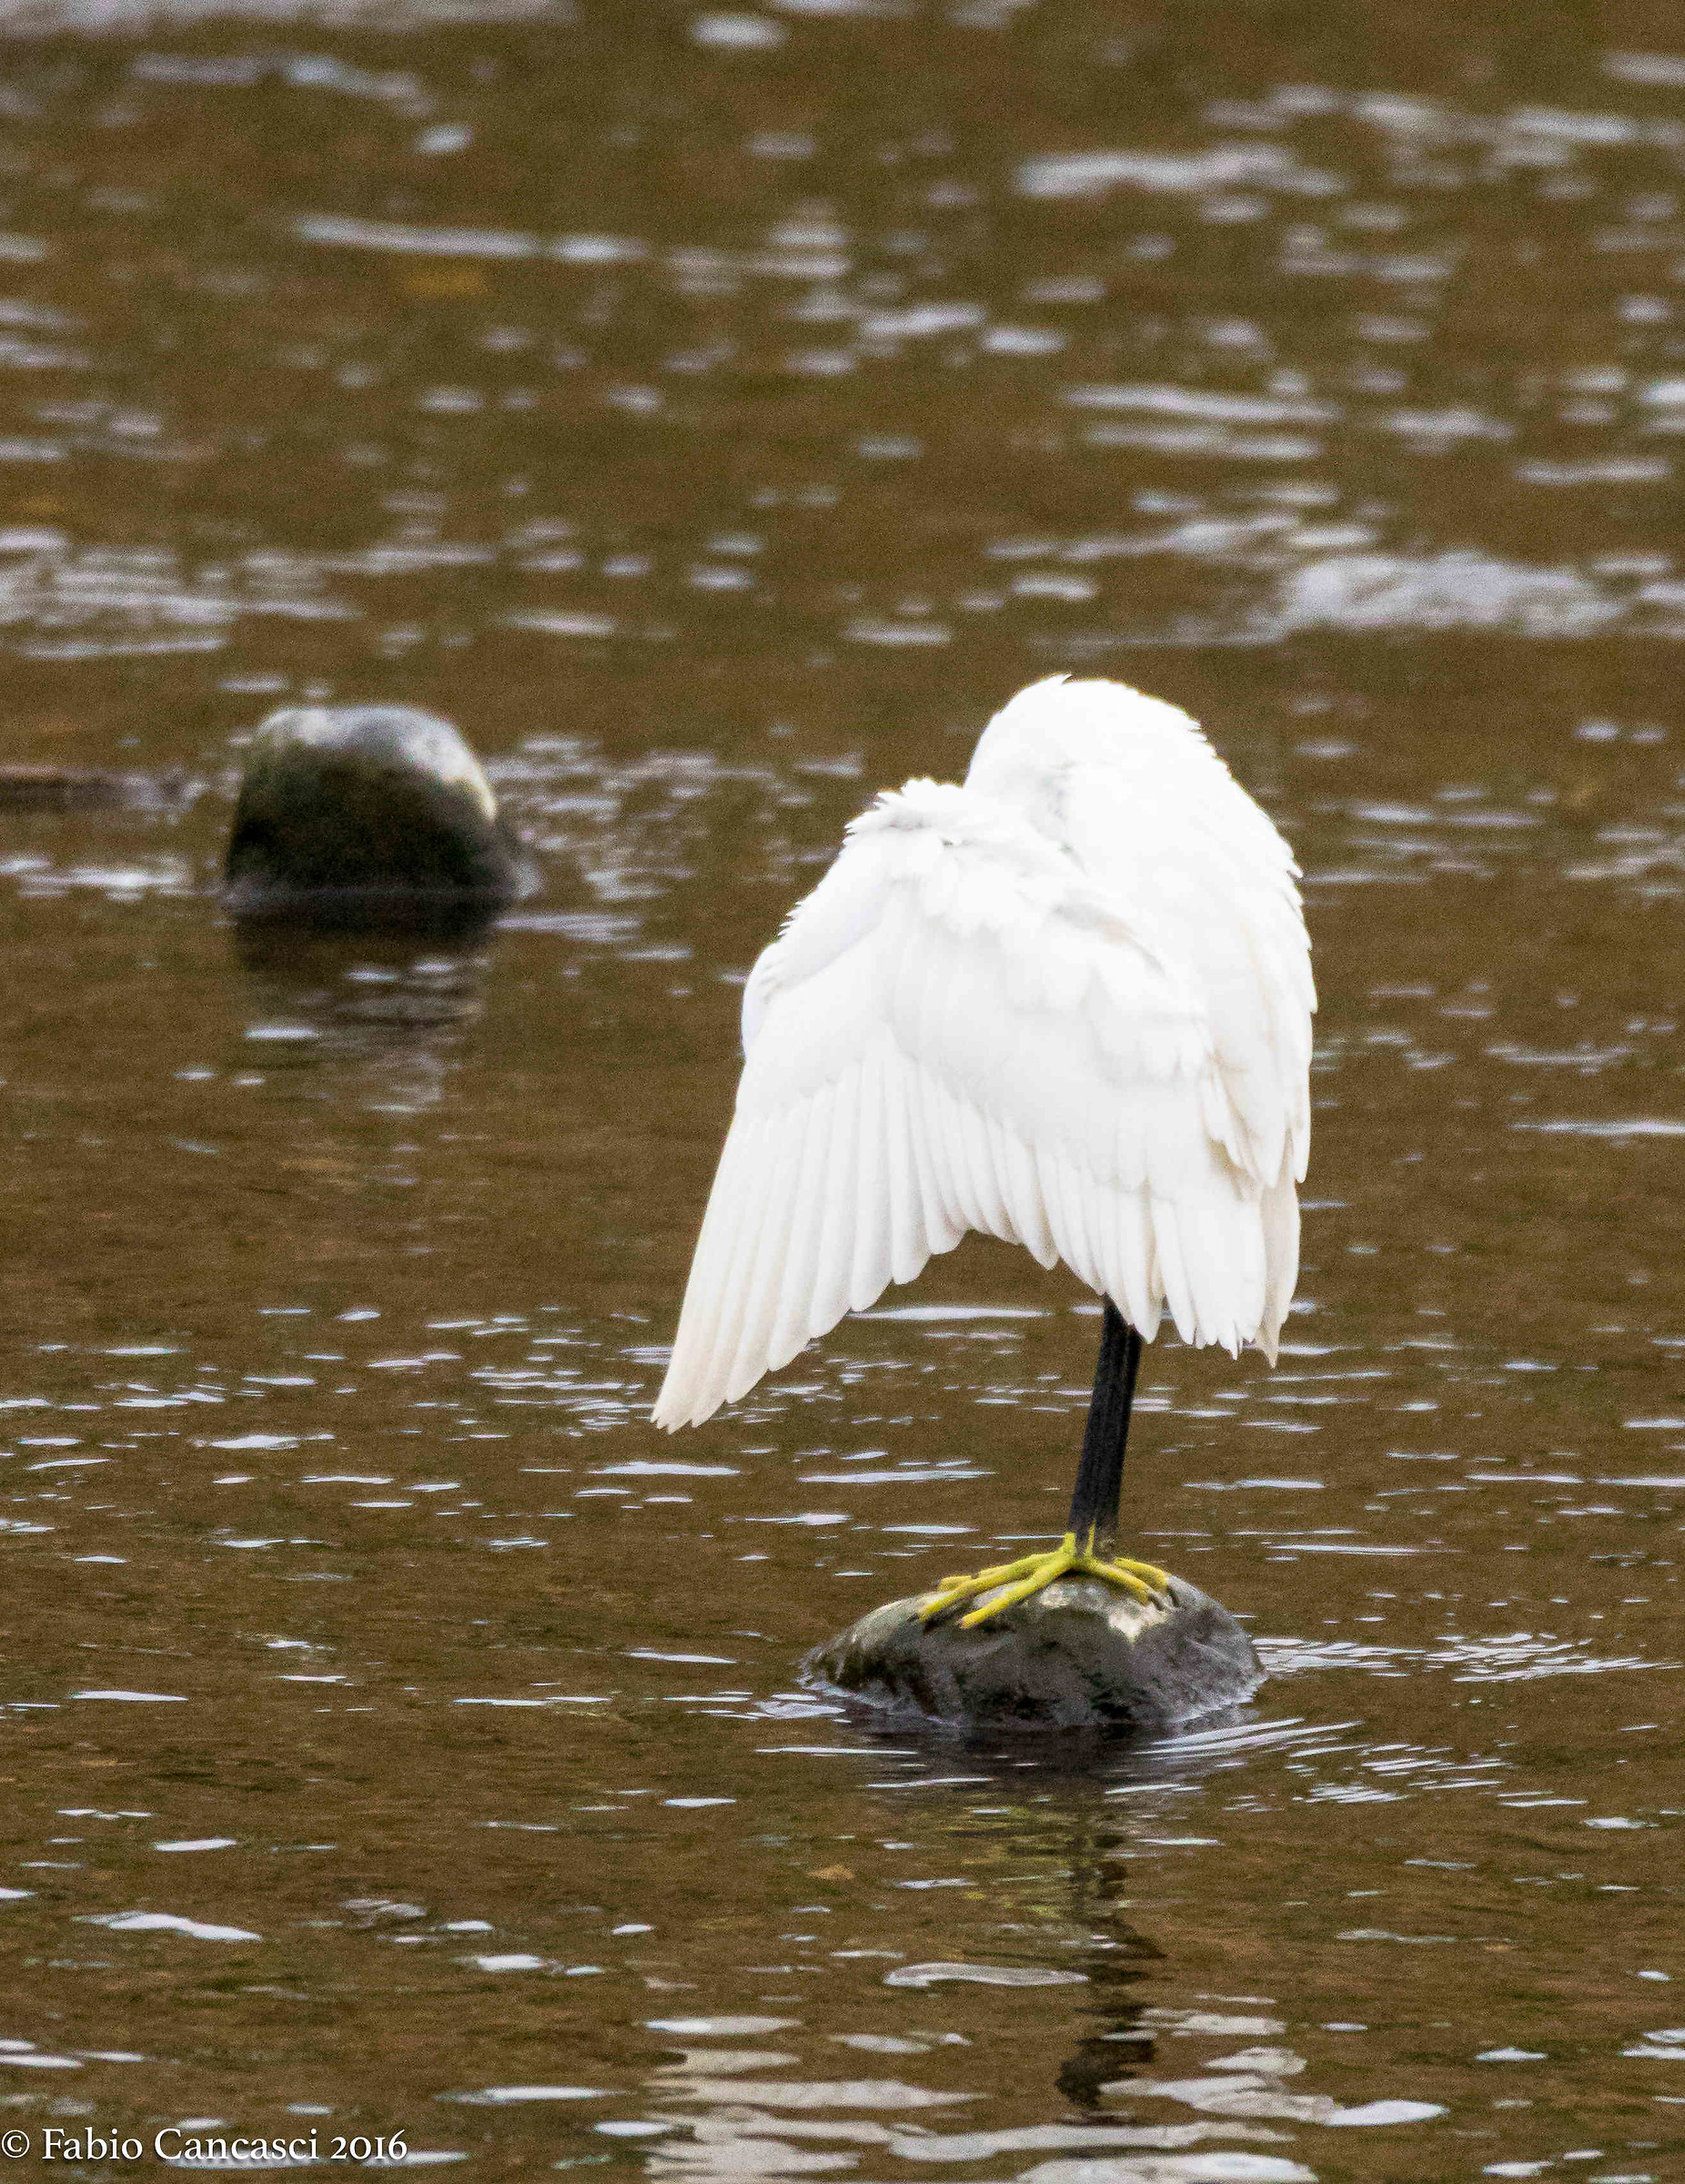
[(1067, 1005)]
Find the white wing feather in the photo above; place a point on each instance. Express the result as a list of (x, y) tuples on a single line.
[(1066, 1004)]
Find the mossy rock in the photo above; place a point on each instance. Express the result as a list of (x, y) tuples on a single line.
[(1077, 1655), (368, 817)]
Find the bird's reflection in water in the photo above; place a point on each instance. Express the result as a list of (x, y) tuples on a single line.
[(1070, 1852), (387, 1012), (1118, 1959)]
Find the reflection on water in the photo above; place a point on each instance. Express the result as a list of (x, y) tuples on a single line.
[(718, 410), (387, 1015)]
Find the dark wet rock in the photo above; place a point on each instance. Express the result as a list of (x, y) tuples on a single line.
[(1078, 1655), (368, 817)]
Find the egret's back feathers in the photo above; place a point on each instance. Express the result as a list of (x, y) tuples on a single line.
[(1067, 1005)]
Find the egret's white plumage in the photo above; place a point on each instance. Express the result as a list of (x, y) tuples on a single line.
[(1067, 1004)]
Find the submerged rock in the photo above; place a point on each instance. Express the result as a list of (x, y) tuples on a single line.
[(368, 816), (1078, 1655), (25, 787)]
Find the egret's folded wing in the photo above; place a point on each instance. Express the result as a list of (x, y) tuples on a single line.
[(1153, 815), (956, 1031)]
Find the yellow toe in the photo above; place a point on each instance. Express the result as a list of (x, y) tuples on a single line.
[(1014, 1581)]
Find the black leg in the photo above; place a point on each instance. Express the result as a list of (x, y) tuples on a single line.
[(1093, 1505)]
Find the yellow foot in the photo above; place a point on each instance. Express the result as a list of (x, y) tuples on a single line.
[(1034, 1571)]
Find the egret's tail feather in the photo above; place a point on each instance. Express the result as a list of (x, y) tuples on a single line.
[(817, 1215)]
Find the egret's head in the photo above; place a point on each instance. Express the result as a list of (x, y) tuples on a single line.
[(1029, 751)]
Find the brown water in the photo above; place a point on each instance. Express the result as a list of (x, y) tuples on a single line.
[(718, 412)]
